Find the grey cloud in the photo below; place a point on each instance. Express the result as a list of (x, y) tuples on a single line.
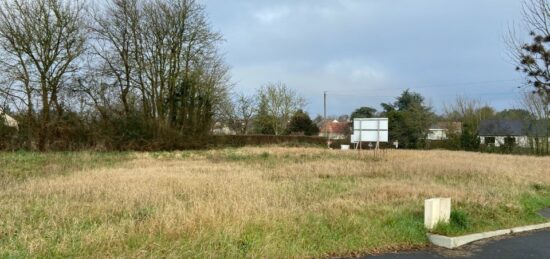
[(356, 49)]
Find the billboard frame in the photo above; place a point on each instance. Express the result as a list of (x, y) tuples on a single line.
[(379, 128)]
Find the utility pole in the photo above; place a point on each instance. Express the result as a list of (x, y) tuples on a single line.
[(325, 123), (325, 114)]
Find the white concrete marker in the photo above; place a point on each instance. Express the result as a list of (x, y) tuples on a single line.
[(436, 210), (431, 213), (445, 210)]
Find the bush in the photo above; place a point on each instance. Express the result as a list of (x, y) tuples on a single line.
[(259, 140), (459, 219), (300, 123), (8, 136), (459, 223), (469, 140)]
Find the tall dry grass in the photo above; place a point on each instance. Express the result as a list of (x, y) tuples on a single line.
[(261, 202)]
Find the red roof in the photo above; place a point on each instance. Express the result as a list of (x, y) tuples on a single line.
[(342, 128)]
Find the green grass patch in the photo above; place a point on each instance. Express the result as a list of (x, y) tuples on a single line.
[(471, 218), (18, 166)]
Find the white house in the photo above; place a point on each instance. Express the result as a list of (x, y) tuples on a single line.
[(221, 129), (440, 130), (8, 120), (513, 132)]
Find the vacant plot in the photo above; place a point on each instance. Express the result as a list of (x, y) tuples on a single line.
[(254, 202)]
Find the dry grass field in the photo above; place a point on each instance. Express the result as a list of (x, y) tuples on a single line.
[(254, 202)]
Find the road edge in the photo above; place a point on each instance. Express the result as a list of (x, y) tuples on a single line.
[(455, 242)]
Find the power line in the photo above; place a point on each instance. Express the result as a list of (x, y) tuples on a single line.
[(469, 83), (454, 85), (453, 94), (359, 94)]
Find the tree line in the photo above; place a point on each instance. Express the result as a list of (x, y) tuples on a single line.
[(131, 73), (410, 119), (275, 109), (119, 71)]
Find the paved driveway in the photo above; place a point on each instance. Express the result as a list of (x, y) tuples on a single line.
[(528, 245)]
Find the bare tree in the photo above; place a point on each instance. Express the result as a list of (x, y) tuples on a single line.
[(96, 90), (277, 104), (470, 113), (163, 53), (239, 113), (43, 40), (246, 109), (537, 105), (116, 30), (467, 111)]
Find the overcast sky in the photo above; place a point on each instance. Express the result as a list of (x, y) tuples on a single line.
[(364, 52)]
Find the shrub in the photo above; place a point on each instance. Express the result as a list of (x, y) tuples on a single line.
[(300, 123), (459, 223), (459, 219), (8, 136)]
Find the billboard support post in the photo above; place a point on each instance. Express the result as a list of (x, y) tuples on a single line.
[(360, 135), (378, 135)]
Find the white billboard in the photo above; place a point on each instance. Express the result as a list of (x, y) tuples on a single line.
[(370, 130)]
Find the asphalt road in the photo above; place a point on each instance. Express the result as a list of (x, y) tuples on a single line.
[(529, 245)]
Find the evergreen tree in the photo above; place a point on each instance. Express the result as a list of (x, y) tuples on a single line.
[(409, 119), (363, 112), (301, 123)]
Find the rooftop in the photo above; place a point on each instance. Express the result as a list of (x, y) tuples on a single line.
[(336, 127), (513, 128)]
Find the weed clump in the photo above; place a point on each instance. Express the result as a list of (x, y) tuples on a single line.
[(459, 219), (459, 223)]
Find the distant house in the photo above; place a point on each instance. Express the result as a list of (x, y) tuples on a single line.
[(8, 120), (513, 132), (441, 130), (222, 129), (335, 130)]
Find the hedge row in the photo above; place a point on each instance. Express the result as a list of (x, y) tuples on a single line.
[(261, 140), (163, 140)]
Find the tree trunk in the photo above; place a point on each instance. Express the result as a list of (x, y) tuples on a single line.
[(45, 120)]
